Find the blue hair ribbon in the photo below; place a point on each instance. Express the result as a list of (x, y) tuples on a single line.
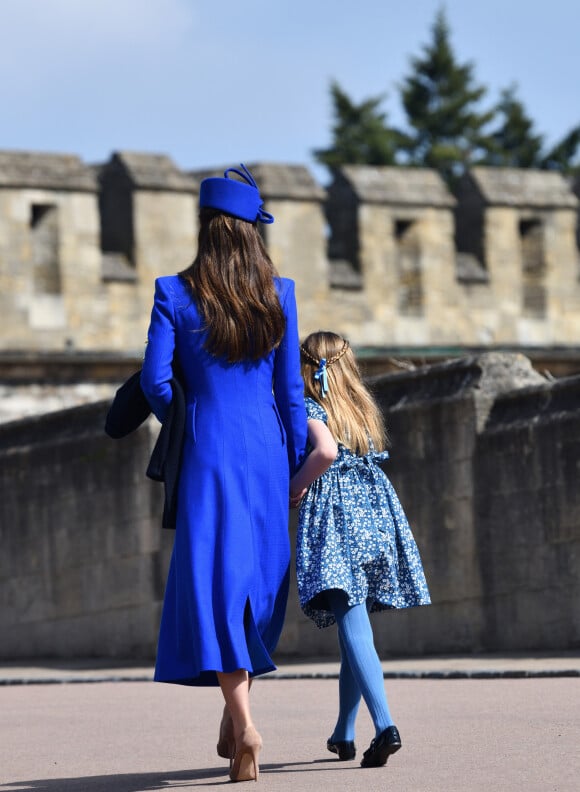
[(320, 375)]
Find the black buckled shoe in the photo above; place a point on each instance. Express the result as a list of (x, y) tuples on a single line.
[(387, 743), (345, 749)]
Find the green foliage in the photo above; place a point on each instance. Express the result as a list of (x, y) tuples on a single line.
[(447, 127), (514, 144), (562, 156), (441, 100), (360, 133)]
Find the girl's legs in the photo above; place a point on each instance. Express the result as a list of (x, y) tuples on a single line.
[(364, 667), (348, 698)]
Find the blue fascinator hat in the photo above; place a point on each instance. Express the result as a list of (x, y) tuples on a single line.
[(238, 198)]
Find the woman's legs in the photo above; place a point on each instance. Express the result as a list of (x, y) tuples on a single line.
[(236, 688), (226, 739), (364, 674), (247, 742)]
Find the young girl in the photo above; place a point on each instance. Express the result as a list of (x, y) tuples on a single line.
[(355, 550)]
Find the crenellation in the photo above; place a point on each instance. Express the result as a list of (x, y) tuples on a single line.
[(386, 255), (27, 169), (145, 171)]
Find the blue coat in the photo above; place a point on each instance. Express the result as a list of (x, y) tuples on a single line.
[(245, 432)]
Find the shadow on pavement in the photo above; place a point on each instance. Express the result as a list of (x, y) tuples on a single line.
[(151, 782), (130, 782)]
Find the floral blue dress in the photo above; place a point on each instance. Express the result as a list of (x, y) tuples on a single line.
[(353, 535)]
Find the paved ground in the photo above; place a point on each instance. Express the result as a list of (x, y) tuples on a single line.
[(468, 724)]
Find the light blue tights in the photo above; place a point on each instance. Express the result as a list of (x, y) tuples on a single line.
[(360, 669)]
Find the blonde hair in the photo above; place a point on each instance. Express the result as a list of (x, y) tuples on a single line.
[(354, 418)]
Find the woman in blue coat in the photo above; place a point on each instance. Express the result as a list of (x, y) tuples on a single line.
[(230, 323)]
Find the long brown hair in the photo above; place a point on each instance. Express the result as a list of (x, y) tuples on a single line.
[(232, 279), (354, 418)]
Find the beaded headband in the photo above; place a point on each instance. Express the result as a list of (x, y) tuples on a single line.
[(320, 375)]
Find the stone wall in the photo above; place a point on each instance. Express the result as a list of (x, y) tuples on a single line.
[(35, 383), (527, 518), (485, 457), (386, 256), (83, 562)]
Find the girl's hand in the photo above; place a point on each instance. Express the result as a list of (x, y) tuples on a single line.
[(296, 497), (321, 456)]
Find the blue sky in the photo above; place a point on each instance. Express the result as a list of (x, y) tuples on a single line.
[(225, 81)]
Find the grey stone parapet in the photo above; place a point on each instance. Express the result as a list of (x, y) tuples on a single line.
[(519, 187), (26, 367), (483, 378), (551, 400), (394, 185), (46, 171), (149, 171)]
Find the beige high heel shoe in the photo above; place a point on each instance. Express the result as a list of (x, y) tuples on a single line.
[(245, 765), (226, 745)]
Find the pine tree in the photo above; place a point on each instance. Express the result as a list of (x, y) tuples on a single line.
[(562, 156), (448, 130), (360, 133), (442, 101), (514, 144)]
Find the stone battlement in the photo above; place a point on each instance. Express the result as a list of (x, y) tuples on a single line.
[(386, 256)]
